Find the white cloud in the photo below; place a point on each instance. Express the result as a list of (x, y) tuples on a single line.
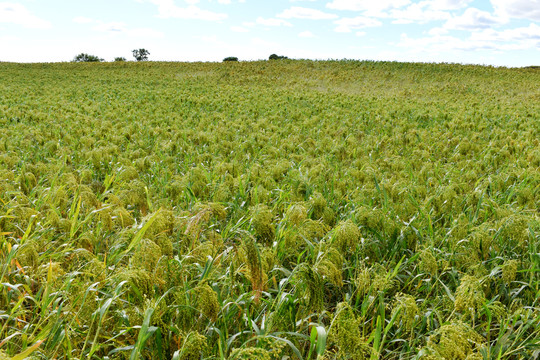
[(523, 38), (370, 7), (346, 25), (306, 34), (447, 4), (239, 29), (443, 43), (522, 34), (361, 33), (297, 12), (224, 2), (521, 9), (437, 31), (472, 19), (18, 14), (272, 22), (418, 13), (168, 9)]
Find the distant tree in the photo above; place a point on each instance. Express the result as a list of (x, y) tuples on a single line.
[(141, 54), (83, 57), (231, 58), (119, 59), (276, 57)]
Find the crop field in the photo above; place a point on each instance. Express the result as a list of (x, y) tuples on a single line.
[(271, 210)]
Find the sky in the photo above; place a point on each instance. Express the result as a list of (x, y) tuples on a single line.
[(486, 32)]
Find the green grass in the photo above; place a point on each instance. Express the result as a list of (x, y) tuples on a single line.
[(309, 209)]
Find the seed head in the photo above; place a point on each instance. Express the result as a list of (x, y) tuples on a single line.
[(469, 295)]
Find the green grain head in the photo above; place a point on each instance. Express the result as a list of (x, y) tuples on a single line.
[(428, 262), (313, 230), (363, 281), (312, 286), (59, 199), (317, 206), (252, 256), (515, 230), (408, 311), (165, 243), (330, 265), (127, 174), (455, 341), (164, 222), (509, 271), (139, 280), (206, 301), (346, 236), (482, 239), (89, 200), (146, 256), (296, 214), (261, 221), (193, 346), (27, 255), (198, 181), (51, 273), (469, 295), (27, 182), (223, 193), (250, 353), (121, 218), (345, 333)]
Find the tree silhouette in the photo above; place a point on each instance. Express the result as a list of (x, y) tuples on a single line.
[(141, 54), (83, 57)]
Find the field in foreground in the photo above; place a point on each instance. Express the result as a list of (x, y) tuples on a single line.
[(269, 210)]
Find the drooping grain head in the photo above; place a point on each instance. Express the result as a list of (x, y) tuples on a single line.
[(193, 346), (250, 353), (428, 262), (262, 223), (346, 334), (296, 214), (408, 310), (469, 295), (346, 236), (453, 341), (139, 279), (146, 256), (206, 301), (509, 271)]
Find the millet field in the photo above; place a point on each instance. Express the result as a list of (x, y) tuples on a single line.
[(269, 210)]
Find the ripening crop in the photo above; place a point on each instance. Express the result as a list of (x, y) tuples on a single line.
[(269, 210)]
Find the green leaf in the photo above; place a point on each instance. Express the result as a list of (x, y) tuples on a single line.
[(321, 340), (23, 355)]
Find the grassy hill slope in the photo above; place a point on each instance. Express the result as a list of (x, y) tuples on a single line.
[(340, 209)]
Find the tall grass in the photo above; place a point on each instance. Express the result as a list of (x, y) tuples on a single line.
[(269, 210)]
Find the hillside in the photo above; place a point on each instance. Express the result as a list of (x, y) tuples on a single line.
[(340, 209)]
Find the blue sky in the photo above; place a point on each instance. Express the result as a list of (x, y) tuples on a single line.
[(491, 32)]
